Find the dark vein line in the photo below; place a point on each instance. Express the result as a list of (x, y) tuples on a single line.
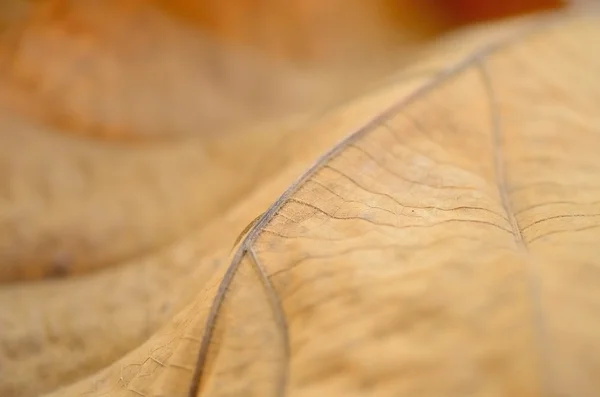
[(355, 249), (418, 125), (211, 322), (358, 218), (333, 216), (391, 130), (361, 186), (559, 217), (292, 237), (382, 226), (279, 314), (403, 205), (332, 255), (402, 142), (405, 250), (348, 201), (538, 320), (402, 177), (284, 216), (563, 231)]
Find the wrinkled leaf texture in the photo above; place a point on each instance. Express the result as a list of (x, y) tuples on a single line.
[(445, 248)]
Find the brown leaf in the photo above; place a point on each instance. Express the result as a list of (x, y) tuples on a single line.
[(452, 238), (446, 248)]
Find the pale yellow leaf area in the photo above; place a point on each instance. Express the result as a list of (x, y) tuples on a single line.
[(445, 245)]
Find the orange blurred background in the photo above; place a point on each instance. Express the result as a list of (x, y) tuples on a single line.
[(65, 63), (311, 24)]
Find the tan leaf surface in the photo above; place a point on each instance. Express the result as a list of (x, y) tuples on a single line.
[(446, 248), (432, 204)]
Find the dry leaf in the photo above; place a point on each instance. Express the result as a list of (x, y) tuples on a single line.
[(446, 248)]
